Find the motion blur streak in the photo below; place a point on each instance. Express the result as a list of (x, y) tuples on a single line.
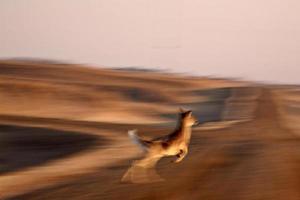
[(63, 134)]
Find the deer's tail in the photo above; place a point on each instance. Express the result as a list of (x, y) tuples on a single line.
[(143, 144)]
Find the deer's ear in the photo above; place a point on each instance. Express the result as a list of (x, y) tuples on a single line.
[(181, 110), (189, 113)]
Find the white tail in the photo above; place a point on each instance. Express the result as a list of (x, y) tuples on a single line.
[(136, 140)]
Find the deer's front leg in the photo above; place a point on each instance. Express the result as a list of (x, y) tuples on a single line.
[(182, 153)]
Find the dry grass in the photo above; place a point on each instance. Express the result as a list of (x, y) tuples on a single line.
[(67, 103)]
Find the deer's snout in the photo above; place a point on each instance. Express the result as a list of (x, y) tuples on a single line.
[(197, 123)]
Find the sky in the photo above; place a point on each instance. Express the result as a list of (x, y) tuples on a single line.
[(256, 40)]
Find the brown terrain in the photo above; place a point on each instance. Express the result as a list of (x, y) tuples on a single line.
[(63, 134)]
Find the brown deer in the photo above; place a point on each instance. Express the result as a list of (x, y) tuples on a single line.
[(173, 144)]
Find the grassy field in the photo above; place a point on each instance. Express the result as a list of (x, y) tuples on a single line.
[(63, 134)]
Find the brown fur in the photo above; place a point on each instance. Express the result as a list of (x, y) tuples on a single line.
[(174, 144)]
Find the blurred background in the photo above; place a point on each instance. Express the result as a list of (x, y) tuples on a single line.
[(252, 40), (75, 76)]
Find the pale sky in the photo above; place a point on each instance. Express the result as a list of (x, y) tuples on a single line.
[(253, 39)]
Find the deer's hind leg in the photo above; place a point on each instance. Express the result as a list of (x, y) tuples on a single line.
[(143, 171), (149, 161)]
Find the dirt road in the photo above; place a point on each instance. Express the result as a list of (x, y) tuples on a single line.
[(254, 160)]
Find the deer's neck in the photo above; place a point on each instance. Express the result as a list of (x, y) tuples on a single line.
[(184, 131)]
